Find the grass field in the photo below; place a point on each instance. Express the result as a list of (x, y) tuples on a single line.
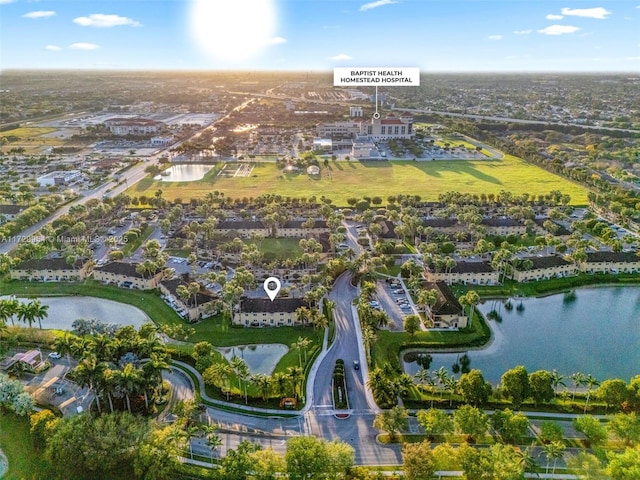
[(27, 132), (25, 462), (279, 248), (382, 178)]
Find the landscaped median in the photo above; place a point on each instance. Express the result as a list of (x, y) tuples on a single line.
[(339, 386)]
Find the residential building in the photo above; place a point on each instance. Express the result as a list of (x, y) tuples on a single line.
[(243, 227), (10, 212), (543, 268), (503, 226), (262, 312), (447, 311), (195, 306), (297, 228), (125, 275), (468, 273), (355, 112), (49, 270), (611, 262)]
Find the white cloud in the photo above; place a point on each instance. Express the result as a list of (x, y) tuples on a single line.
[(6, 1), (102, 20), (53, 48), (558, 30), (376, 4), (39, 14), (495, 37), (83, 46), (633, 59), (523, 32), (597, 12), (552, 16), (340, 56), (277, 40)]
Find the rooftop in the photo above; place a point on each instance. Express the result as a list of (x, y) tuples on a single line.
[(287, 305)]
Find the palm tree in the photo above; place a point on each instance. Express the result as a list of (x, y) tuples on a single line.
[(238, 365), (192, 431), (263, 383), (590, 381), (296, 375), (422, 376), (154, 367), (280, 383), (128, 379), (63, 346), (102, 347), (442, 375), (38, 311), (578, 380), (7, 310), (88, 372), (213, 442), (25, 314), (302, 344), (556, 381), (553, 451)]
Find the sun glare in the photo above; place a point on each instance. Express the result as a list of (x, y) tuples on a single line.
[(235, 29)]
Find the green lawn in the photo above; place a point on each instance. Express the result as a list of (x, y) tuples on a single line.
[(25, 462), (279, 248), (382, 178), (387, 347)]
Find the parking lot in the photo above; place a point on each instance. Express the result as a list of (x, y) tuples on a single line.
[(392, 298)]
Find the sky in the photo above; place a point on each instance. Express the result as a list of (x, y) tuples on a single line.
[(219, 35)]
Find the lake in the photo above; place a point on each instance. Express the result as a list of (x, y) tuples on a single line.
[(64, 310), (597, 332), (184, 173), (261, 358)]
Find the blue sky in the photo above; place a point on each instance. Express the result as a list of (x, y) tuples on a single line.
[(435, 35)]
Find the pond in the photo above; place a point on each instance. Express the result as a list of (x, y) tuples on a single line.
[(261, 358), (184, 173), (594, 331), (64, 310)]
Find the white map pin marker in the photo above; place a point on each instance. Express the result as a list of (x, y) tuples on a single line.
[(271, 289)]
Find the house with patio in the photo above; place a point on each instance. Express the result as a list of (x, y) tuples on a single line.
[(447, 311), (50, 270), (126, 275), (262, 312)]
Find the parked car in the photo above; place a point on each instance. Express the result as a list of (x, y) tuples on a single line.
[(356, 365), (55, 355)]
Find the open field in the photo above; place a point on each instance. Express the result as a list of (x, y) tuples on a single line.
[(278, 248), (25, 462), (27, 132), (382, 178)]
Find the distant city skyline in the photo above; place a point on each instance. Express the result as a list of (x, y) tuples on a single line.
[(435, 35)]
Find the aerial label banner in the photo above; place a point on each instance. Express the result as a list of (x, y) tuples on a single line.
[(375, 76)]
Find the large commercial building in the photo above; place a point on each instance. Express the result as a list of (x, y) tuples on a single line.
[(133, 126), (59, 178)]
